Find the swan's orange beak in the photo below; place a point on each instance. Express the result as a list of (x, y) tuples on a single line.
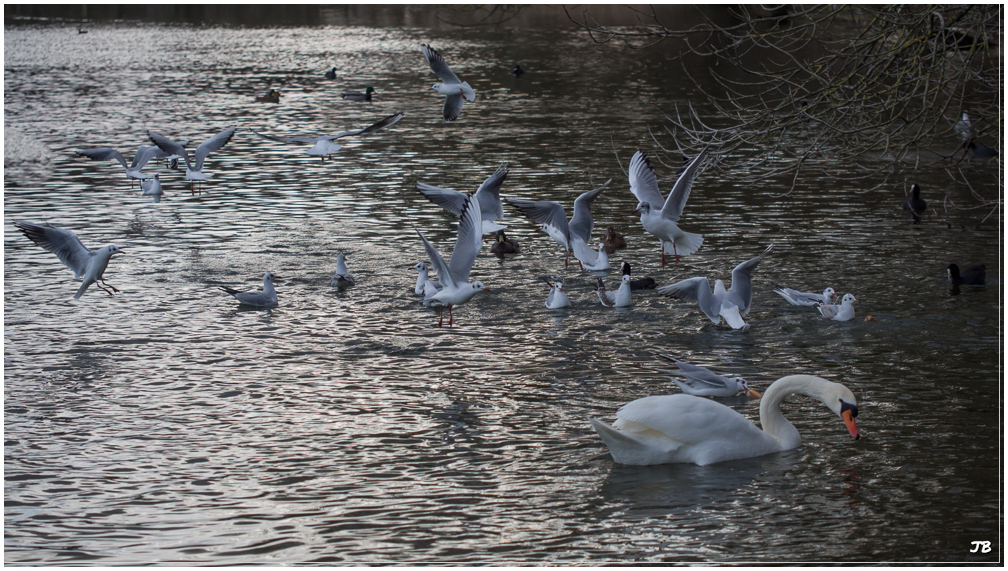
[(754, 394), (848, 418)]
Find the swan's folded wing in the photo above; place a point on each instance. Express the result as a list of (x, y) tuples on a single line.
[(685, 418)]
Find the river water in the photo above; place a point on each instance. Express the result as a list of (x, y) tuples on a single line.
[(166, 425)]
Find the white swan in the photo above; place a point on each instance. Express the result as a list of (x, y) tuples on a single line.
[(688, 429)]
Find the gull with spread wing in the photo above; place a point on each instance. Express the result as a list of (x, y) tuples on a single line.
[(488, 196), (87, 265), (143, 155), (454, 275), (194, 170), (554, 222), (326, 145), (732, 305), (663, 222), (454, 90)]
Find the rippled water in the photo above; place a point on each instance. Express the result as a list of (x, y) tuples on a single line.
[(166, 425)]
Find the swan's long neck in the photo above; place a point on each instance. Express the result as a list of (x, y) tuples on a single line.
[(773, 421)]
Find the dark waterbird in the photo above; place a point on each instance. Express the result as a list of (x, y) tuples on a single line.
[(331, 74), (358, 96), (637, 285), (973, 275), (914, 204)]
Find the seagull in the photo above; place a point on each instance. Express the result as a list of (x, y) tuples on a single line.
[(325, 145), (152, 187), (557, 299), (194, 171), (963, 127), (504, 245), (842, 312), (342, 277), (488, 196), (637, 285), (601, 262), (331, 74), (141, 158), (704, 383), (973, 275), (265, 298), (795, 297), (732, 305), (663, 223), (454, 275), (914, 204), (423, 281), (88, 265), (619, 299), (454, 90), (358, 96), (554, 222)]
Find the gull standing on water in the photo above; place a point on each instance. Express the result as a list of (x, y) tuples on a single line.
[(194, 170), (342, 277), (88, 265), (554, 222), (663, 223), (325, 145), (265, 298), (454, 276), (488, 196), (704, 383), (454, 90), (556, 299), (732, 305)]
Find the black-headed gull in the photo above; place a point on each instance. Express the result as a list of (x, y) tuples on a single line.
[(423, 280), (556, 299), (662, 223), (152, 187), (619, 299), (702, 382), (341, 278), (325, 145), (358, 96), (194, 170), (732, 305), (142, 157), (454, 90), (585, 255), (265, 298), (842, 312), (488, 195), (87, 265), (807, 299), (504, 245), (973, 275), (554, 222), (454, 276)]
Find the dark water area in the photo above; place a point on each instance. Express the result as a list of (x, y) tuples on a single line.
[(167, 425)]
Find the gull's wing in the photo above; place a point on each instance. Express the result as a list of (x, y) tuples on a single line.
[(542, 212), (693, 289), (643, 182), (60, 241), (452, 106), (680, 192), (103, 154), (829, 311), (440, 67), (390, 120), (144, 154), (287, 139), (451, 200), (212, 144), (741, 281), (699, 374), (731, 314), (468, 243), (489, 194), (581, 220), (437, 262), (169, 146)]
